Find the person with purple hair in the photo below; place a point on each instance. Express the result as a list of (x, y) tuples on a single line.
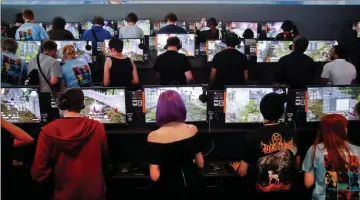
[(175, 150)]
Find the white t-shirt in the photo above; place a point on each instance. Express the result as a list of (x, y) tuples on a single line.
[(339, 72)]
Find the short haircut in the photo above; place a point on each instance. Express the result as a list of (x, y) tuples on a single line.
[(340, 51), (49, 45), (10, 45), (272, 106), (287, 25), (173, 41), (74, 98), (28, 14), (171, 17), (170, 108), (248, 34), (211, 21), (301, 43), (98, 20), (117, 44), (19, 18), (59, 23), (232, 39), (132, 17)]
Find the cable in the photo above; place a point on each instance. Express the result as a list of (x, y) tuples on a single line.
[(212, 141)]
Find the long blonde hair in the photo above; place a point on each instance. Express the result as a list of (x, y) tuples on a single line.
[(69, 52)]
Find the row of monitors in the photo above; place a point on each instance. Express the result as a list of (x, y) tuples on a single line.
[(240, 104)]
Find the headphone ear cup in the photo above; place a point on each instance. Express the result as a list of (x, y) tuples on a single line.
[(83, 107), (63, 104)]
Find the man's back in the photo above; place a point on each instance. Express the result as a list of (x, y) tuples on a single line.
[(131, 31), (339, 72), (172, 29), (60, 35), (31, 31)]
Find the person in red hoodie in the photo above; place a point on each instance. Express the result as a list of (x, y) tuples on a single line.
[(72, 150)]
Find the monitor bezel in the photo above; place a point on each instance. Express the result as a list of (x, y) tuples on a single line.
[(156, 39)]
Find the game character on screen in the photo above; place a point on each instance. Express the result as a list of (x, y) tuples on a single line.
[(339, 71), (18, 22), (332, 162), (173, 67), (271, 151), (212, 34), (70, 142), (230, 66), (290, 31), (29, 30), (58, 31), (131, 30), (170, 27)]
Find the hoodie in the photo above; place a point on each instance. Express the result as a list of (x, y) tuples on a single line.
[(72, 151)]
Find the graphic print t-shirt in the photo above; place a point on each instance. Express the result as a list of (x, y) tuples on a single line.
[(13, 69), (76, 73), (270, 151), (31, 31)]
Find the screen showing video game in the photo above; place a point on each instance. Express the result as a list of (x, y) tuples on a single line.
[(356, 28), (27, 50), (240, 27), (144, 24), (215, 46), (271, 51), (131, 49), (196, 110), (272, 29), (243, 104), (20, 105), (86, 25), (105, 105), (187, 40), (319, 51), (80, 48), (195, 25), (331, 100)]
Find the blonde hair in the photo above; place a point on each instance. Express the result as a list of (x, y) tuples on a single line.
[(69, 52)]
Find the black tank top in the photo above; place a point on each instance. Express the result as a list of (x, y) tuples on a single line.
[(121, 72)]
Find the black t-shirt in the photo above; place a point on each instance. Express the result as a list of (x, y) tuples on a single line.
[(270, 152), (6, 156), (286, 36), (12, 31), (204, 36), (171, 28), (230, 65), (60, 35), (172, 66)]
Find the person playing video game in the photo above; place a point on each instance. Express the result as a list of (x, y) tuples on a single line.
[(271, 152), (98, 31), (131, 30), (173, 67), (58, 31), (331, 154), (290, 31), (296, 70), (119, 70), (72, 151), (18, 22), (13, 68), (339, 71), (230, 66), (76, 72), (170, 27), (30, 30), (212, 34), (176, 178)]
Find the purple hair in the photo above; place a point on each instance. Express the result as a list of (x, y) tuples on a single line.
[(170, 108)]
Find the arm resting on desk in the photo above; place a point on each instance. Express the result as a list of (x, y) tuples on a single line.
[(154, 172)]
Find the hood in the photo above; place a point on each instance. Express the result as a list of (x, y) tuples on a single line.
[(97, 28), (70, 133)]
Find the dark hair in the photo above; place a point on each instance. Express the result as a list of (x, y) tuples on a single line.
[(98, 20), (272, 106), (10, 45), (173, 41), (117, 44), (19, 18), (212, 21), (357, 109), (28, 14), (49, 45), (171, 17), (170, 108), (132, 17), (248, 34), (59, 23), (301, 43), (340, 51), (74, 98), (287, 25), (232, 39)]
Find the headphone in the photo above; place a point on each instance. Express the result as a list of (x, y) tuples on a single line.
[(173, 41), (88, 47), (63, 103), (232, 39)]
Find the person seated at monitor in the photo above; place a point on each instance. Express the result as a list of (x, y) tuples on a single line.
[(248, 34), (212, 34), (30, 30), (98, 31), (175, 139), (119, 70), (296, 70), (290, 31), (270, 155), (13, 68), (73, 151), (131, 30), (18, 22), (230, 66), (338, 71), (75, 72), (173, 67), (58, 31), (170, 27)]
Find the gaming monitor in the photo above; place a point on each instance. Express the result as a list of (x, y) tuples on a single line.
[(196, 110), (321, 101), (106, 105), (144, 24), (319, 50), (20, 105), (80, 48), (195, 25), (187, 40), (272, 29), (240, 27), (356, 28), (215, 46), (130, 49), (271, 51), (72, 27), (27, 50), (243, 104)]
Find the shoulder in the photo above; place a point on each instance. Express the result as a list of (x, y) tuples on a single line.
[(329, 65), (153, 136)]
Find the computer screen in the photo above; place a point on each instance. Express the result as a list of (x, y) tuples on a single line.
[(72, 27), (86, 25), (319, 50), (272, 29), (27, 50), (356, 28), (187, 40), (105, 105), (196, 110), (240, 27), (271, 51), (20, 105), (328, 100), (215, 46), (144, 24), (203, 22), (243, 104), (131, 49), (80, 48)]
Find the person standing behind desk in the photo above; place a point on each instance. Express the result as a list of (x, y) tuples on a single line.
[(58, 31), (18, 22), (290, 31), (131, 30), (212, 34), (170, 27), (98, 31), (30, 30), (230, 66), (173, 67)]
